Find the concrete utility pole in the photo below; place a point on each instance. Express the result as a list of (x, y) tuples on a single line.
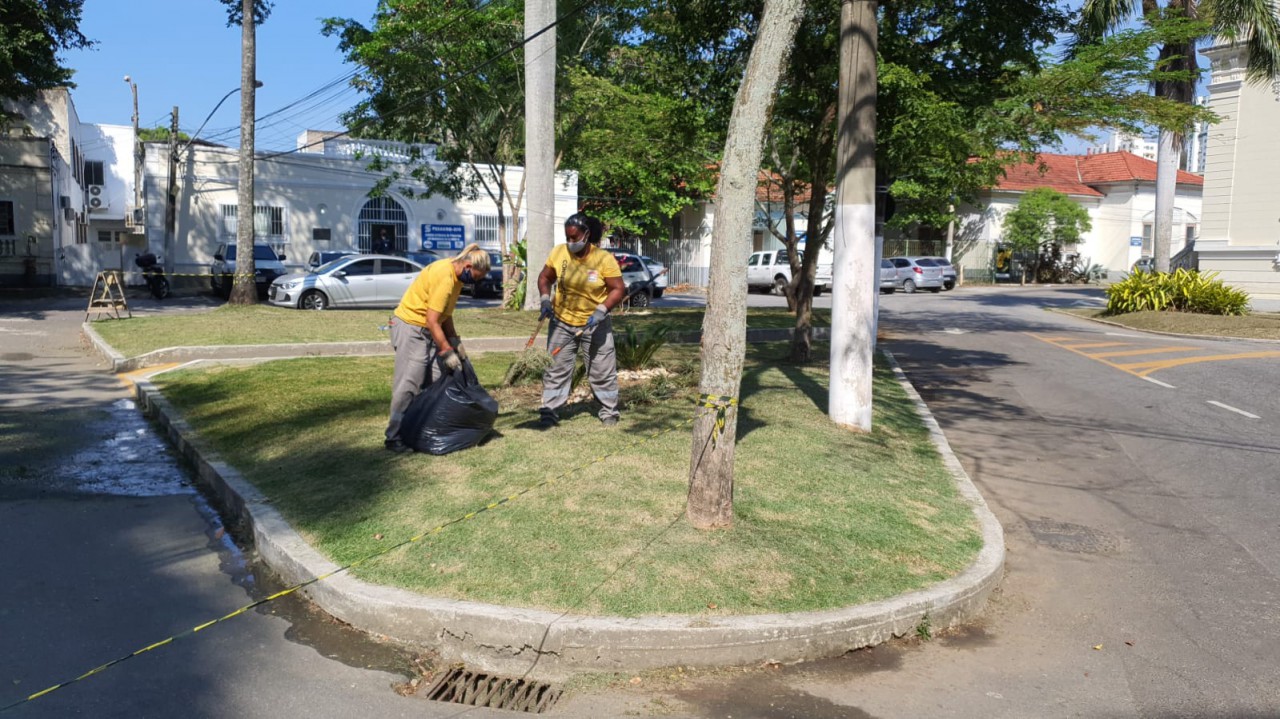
[(137, 149), (539, 139), (244, 291), (171, 195), (855, 272)]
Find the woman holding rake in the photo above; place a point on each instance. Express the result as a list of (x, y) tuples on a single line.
[(588, 284)]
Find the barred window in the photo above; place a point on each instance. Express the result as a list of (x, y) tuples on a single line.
[(487, 231), (268, 222)]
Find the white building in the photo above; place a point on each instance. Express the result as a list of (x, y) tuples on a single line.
[(1241, 236), (1117, 189), (66, 194), (318, 199)]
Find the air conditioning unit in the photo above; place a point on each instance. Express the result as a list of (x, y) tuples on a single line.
[(139, 216), (69, 214), (96, 197)]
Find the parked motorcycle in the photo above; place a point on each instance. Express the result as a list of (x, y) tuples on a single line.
[(153, 273)]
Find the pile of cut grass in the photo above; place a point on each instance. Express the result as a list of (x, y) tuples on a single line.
[(824, 517)]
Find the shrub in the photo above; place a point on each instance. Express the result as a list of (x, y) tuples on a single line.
[(635, 351), (1179, 291)]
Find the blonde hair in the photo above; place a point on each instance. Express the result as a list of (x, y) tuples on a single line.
[(478, 258)]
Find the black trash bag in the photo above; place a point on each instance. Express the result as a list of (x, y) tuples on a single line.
[(452, 413)]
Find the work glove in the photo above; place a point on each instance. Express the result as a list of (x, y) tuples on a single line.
[(456, 343), (546, 311), (597, 317), (451, 361)]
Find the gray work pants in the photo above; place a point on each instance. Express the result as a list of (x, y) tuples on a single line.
[(416, 367), (602, 366)]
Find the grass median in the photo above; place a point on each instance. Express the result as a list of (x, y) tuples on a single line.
[(824, 517), (266, 324), (1255, 325)]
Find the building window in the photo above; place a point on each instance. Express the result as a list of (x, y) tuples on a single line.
[(6, 218), (1148, 231), (94, 172), (381, 214), (1191, 234), (106, 236), (487, 231), (268, 223)]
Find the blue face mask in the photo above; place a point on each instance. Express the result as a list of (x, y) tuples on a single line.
[(466, 275)]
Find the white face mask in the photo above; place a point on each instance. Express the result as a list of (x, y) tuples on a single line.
[(576, 247)]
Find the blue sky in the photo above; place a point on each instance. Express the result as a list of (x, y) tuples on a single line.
[(181, 52)]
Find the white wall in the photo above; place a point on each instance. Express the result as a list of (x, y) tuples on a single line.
[(315, 191)]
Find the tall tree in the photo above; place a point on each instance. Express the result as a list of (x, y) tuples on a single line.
[(244, 286), (725, 323), (1254, 22), (1044, 217), (31, 34)]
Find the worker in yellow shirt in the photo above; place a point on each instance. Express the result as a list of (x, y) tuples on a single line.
[(422, 333), (588, 284)]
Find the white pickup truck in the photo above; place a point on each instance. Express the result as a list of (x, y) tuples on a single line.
[(770, 270)]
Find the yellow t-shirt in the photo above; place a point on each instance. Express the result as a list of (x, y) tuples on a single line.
[(435, 288), (580, 282)]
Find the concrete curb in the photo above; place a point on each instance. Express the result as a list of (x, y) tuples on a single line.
[(169, 355), (552, 646)]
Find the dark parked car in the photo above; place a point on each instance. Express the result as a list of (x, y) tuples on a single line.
[(491, 284)]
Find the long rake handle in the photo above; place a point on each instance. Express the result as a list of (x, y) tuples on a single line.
[(536, 331)]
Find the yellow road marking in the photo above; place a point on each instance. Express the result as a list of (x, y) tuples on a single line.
[(1092, 345), (1142, 369), (1147, 351), (1179, 361), (128, 379)]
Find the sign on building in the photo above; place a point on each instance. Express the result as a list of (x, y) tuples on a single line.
[(443, 237)]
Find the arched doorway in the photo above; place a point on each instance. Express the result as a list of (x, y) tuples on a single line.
[(379, 216)]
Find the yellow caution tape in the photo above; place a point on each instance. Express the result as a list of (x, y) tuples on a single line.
[(721, 405)]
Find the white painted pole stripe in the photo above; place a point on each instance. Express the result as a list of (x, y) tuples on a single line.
[(1162, 384), (1233, 409)]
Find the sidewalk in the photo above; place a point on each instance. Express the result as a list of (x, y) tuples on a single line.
[(550, 646)]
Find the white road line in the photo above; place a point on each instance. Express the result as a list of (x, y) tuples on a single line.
[(1233, 409), (1121, 334), (1162, 384)]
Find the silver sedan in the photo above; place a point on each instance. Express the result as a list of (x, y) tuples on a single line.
[(354, 281)]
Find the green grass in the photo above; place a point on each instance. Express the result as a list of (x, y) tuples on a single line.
[(266, 324), (1256, 325), (824, 517)]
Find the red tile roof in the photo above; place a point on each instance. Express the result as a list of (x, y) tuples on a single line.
[(1078, 174)]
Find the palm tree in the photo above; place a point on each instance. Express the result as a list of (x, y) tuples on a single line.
[(1254, 22)]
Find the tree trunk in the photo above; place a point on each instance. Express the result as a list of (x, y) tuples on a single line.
[(1167, 157), (724, 327), (855, 274), (244, 290)]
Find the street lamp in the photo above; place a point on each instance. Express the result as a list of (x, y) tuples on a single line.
[(256, 83)]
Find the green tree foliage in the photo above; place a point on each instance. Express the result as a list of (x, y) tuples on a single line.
[(235, 11), (1043, 219), (32, 32), (159, 134)]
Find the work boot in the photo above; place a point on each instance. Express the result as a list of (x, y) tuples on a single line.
[(609, 421), (397, 446), (547, 421)]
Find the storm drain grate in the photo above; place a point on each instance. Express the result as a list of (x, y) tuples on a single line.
[(460, 686)]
